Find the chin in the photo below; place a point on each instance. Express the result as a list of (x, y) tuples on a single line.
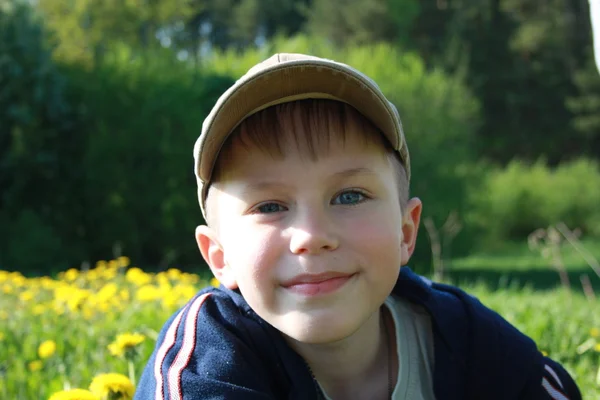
[(320, 331)]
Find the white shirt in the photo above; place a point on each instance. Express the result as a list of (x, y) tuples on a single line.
[(414, 341)]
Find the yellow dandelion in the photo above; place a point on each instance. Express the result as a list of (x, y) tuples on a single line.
[(123, 261), (112, 264), (124, 294), (148, 293), (35, 365), (47, 349), (173, 273), (597, 347), (215, 282), (71, 275), (544, 353), (74, 394), (189, 278), (125, 342), (26, 296), (163, 279), (136, 276), (113, 386), (107, 292), (595, 332)]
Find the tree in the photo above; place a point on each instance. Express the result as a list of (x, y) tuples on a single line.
[(361, 21), (85, 29), (595, 17)]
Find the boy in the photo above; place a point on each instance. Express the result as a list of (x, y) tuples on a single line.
[(303, 175)]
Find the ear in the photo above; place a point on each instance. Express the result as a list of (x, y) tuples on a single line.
[(214, 255), (410, 227)]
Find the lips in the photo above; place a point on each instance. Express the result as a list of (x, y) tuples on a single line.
[(317, 284)]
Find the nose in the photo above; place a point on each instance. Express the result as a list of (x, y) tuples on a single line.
[(312, 234)]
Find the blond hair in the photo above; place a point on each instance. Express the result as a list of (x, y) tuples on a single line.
[(310, 125)]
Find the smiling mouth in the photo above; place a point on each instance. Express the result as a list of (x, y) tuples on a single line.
[(315, 285)]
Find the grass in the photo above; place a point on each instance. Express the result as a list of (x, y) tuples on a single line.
[(83, 313), (515, 265)]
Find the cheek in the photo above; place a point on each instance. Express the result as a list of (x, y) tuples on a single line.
[(378, 236), (253, 253)]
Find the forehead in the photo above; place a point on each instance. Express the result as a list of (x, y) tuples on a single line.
[(309, 129)]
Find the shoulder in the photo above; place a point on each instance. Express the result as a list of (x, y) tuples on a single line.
[(488, 351), (210, 341)]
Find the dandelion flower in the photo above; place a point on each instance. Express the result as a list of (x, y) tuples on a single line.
[(113, 386), (26, 296), (595, 332), (148, 293), (47, 349), (137, 276), (123, 261), (74, 394), (125, 343), (35, 365), (214, 282), (597, 347), (71, 275)]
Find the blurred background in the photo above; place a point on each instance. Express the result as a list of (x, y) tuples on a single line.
[(101, 102)]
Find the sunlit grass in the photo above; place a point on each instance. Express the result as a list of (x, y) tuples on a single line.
[(94, 330)]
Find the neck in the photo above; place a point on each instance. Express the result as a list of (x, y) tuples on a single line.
[(357, 366)]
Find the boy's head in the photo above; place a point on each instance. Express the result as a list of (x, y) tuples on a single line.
[(303, 179)]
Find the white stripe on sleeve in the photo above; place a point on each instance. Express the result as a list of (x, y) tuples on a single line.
[(186, 350), (555, 394), (164, 348), (551, 372)]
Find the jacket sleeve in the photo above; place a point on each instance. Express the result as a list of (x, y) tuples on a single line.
[(200, 355), (551, 382), (500, 356)]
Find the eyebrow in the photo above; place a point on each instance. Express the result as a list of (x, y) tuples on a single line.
[(266, 185)]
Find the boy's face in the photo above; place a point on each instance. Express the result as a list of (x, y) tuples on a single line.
[(315, 246)]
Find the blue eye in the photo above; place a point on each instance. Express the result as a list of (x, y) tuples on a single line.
[(269, 208), (349, 197)]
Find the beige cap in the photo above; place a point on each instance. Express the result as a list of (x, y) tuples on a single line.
[(288, 77)]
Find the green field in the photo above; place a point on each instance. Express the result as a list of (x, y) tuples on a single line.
[(79, 316)]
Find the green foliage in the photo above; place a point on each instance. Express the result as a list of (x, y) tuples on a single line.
[(557, 320), (85, 29), (586, 108), (96, 161), (515, 201), (39, 145), (351, 22), (142, 115)]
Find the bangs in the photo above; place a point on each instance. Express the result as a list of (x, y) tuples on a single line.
[(307, 127)]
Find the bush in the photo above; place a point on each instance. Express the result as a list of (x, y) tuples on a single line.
[(96, 161), (141, 115), (516, 200), (39, 145)]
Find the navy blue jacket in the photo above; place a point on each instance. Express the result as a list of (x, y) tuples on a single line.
[(217, 347)]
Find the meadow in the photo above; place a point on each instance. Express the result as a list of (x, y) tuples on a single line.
[(86, 334)]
